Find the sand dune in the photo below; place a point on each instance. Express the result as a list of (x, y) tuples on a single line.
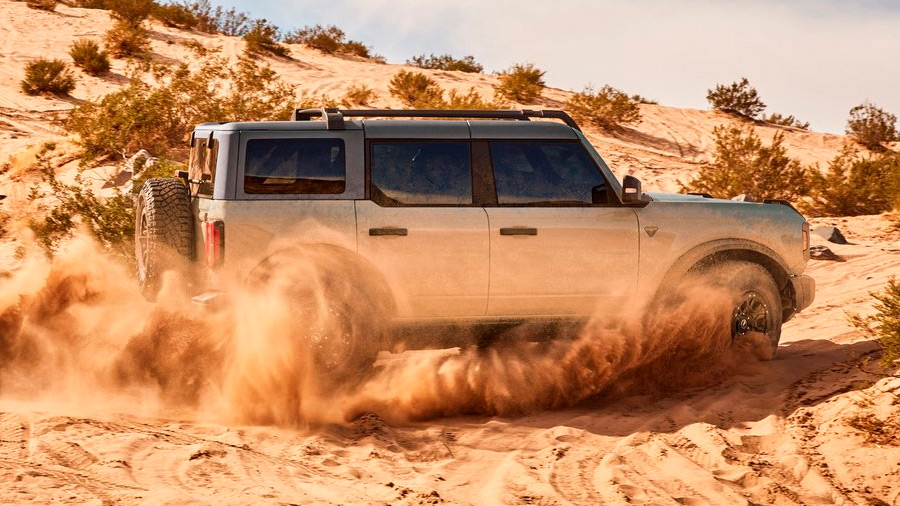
[(792, 431)]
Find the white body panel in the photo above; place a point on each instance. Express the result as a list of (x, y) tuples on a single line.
[(580, 259), (440, 268)]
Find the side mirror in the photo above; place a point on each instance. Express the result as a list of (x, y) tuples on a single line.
[(631, 190)]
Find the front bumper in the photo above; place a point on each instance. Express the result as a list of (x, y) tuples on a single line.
[(804, 291)]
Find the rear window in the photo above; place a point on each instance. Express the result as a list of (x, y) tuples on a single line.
[(202, 166), (421, 173), (295, 166)]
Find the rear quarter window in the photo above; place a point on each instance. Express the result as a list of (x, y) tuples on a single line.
[(295, 166), (202, 165)]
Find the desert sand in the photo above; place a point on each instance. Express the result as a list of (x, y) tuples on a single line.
[(796, 430)]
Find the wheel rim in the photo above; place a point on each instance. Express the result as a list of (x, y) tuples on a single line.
[(332, 342), (751, 314), (143, 245)]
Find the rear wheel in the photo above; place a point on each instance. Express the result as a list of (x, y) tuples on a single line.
[(163, 232), (341, 306)]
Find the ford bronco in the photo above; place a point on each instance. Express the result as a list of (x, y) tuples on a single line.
[(462, 217)]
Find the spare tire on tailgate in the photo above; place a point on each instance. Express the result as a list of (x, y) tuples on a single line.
[(163, 232)]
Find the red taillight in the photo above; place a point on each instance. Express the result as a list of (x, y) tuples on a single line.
[(215, 243)]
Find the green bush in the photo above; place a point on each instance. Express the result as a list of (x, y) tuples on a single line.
[(227, 22), (327, 39), (743, 165), (872, 126), (174, 15), (44, 5), (644, 100), (263, 38), (358, 95), (125, 40), (884, 325), (470, 100), (521, 83), (446, 62), (132, 12), (87, 55), (606, 108), (47, 76), (109, 219), (789, 121), (854, 185), (738, 97), (159, 118), (416, 90)]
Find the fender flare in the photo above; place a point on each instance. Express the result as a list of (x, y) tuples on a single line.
[(714, 252)]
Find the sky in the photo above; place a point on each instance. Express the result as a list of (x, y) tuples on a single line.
[(814, 59)]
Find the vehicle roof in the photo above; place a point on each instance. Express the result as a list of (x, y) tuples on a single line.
[(389, 128)]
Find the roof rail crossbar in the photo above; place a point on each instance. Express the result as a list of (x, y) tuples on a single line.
[(521, 115), (334, 120)]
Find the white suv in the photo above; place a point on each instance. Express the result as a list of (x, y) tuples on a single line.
[(490, 217)]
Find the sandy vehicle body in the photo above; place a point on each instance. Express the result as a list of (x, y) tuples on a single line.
[(497, 219)]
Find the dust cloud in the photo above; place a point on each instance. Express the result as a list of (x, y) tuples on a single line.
[(75, 329)]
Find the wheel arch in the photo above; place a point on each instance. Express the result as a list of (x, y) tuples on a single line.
[(713, 253)]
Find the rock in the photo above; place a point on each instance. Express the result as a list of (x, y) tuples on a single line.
[(830, 234), (821, 252), (140, 161)]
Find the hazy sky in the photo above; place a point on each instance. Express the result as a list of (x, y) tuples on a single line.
[(814, 59)]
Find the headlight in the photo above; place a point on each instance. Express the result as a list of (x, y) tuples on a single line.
[(805, 236)]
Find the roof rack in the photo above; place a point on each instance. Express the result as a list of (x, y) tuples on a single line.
[(334, 118)]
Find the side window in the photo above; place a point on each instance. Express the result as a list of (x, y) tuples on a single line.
[(295, 166), (545, 173), (421, 173), (202, 165)]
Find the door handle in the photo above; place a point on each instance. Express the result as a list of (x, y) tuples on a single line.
[(388, 231), (518, 231)]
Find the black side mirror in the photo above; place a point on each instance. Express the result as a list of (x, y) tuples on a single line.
[(599, 194), (631, 190)]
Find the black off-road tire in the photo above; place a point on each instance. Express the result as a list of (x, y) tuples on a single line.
[(163, 232), (755, 302)]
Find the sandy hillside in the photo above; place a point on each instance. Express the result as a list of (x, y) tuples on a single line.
[(818, 425)]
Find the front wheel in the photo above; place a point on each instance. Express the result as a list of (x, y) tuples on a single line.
[(755, 304)]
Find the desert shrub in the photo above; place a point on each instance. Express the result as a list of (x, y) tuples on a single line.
[(227, 22), (605, 108), (446, 62), (855, 185), (131, 11), (159, 118), (738, 97), (470, 100), (884, 325), (109, 219), (871, 126), (263, 38), (521, 83), (358, 95), (416, 90), (88, 56), (644, 100), (197, 47), (330, 39), (327, 39), (125, 40), (47, 76), (743, 165), (790, 121), (357, 48), (90, 4), (44, 5), (174, 15)]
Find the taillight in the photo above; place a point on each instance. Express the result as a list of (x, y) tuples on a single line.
[(805, 232), (215, 243)]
